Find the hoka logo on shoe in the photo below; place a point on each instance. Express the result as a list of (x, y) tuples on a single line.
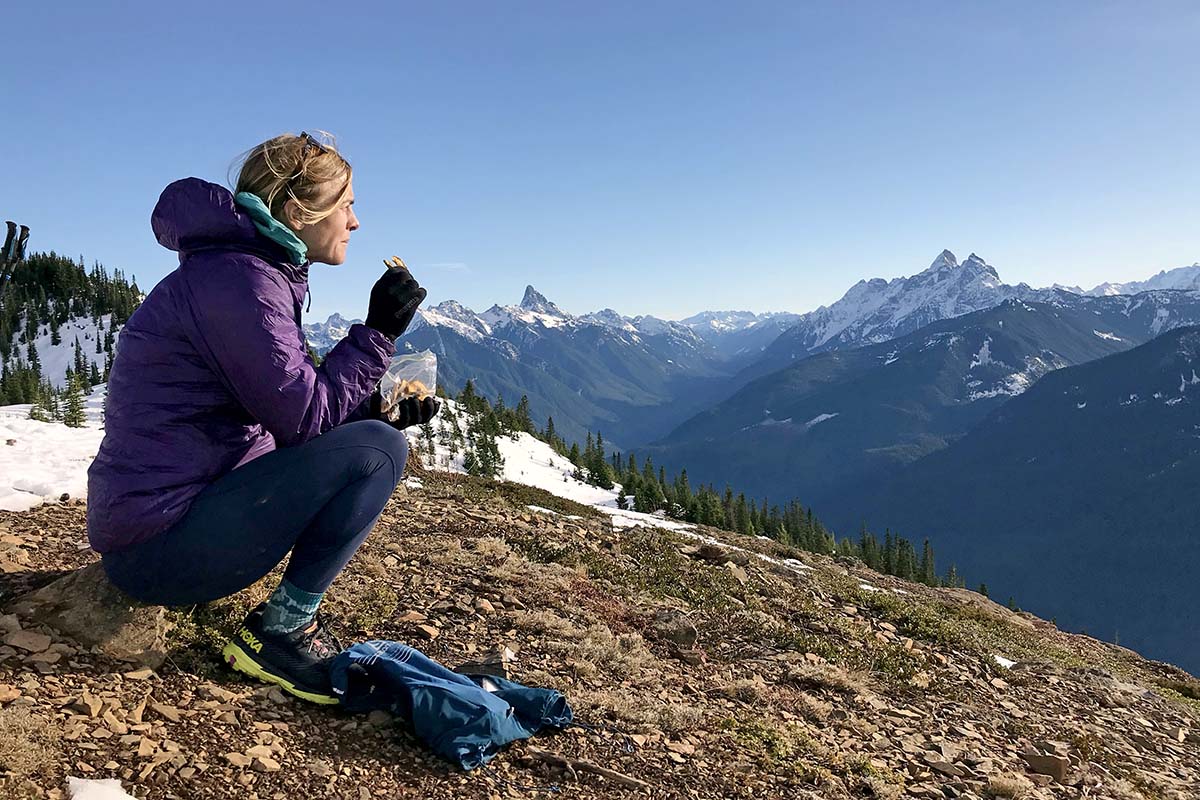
[(251, 641)]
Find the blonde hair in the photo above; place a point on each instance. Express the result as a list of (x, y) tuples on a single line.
[(297, 168)]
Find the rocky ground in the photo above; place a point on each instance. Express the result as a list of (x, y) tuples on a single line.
[(725, 667)]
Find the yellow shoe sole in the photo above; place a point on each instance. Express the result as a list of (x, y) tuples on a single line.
[(237, 658)]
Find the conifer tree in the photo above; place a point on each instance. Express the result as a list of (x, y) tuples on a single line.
[(39, 408), (928, 573), (35, 363), (80, 361), (683, 490), (73, 412), (524, 422), (428, 444), (741, 516)]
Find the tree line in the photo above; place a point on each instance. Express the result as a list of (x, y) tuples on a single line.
[(45, 291), (649, 489)]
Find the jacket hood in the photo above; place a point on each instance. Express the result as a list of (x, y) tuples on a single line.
[(193, 215)]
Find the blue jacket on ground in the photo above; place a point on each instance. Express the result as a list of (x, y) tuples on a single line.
[(451, 713)]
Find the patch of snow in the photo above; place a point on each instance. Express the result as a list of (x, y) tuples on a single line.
[(47, 459), (102, 789), (868, 587), (1081, 405), (984, 356), (413, 483), (1107, 336), (1006, 663), (1161, 316), (819, 418)]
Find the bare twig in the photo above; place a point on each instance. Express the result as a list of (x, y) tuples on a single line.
[(586, 766)]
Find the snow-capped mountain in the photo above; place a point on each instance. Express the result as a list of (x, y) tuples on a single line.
[(840, 416), (1186, 278), (877, 310), (322, 336), (740, 334), (631, 377)]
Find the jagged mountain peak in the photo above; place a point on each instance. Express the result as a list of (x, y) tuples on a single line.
[(945, 260), (536, 301)]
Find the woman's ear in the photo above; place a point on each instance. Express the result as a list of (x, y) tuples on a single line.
[(291, 215)]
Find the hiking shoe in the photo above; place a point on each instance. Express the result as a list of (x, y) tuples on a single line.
[(297, 661)]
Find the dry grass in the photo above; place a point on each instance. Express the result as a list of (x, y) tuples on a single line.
[(513, 571), (812, 709), (746, 690), (598, 650), (28, 744), (639, 712), (1009, 786), (828, 676), (449, 552), (547, 623), (492, 548), (546, 584)]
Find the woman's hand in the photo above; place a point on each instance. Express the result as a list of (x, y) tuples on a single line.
[(409, 411), (394, 300), (414, 411)]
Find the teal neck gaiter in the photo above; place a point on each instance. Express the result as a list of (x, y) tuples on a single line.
[(272, 228)]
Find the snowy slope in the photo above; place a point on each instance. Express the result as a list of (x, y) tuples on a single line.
[(41, 461), (56, 358)]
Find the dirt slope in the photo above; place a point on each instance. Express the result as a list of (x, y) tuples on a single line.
[(730, 668)]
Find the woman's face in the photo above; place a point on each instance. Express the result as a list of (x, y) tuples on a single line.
[(328, 238)]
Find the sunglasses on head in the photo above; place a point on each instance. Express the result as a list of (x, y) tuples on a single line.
[(309, 141)]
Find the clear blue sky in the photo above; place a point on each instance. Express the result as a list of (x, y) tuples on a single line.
[(653, 157)]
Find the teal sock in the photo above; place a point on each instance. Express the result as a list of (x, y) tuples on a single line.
[(290, 608)]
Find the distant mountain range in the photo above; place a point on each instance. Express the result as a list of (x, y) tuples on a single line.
[(841, 419), (632, 378), (1186, 278), (637, 378), (1079, 498)]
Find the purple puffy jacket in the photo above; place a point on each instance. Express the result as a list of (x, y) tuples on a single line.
[(212, 369)]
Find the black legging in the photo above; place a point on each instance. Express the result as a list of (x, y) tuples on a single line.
[(319, 500)]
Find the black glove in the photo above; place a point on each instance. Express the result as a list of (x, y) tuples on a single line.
[(408, 412), (394, 300), (414, 411)]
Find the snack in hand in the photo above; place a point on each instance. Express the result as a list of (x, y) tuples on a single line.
[(405, 388)]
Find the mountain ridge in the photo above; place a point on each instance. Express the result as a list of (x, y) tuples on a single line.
[(1092, 473)]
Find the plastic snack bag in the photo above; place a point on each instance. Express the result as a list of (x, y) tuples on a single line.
[(409, 375)]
